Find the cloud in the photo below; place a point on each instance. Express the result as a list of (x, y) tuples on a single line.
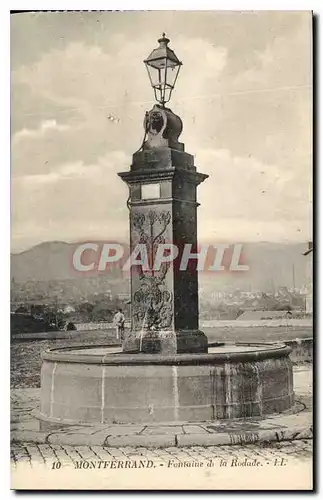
[(63, 173), (275, 68), (44, 127)]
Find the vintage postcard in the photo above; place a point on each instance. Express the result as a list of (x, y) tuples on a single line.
[(161, 252)]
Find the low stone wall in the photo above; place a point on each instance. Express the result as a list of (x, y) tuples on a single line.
[(59, 335), (274, 323), (213, 323), (94, 326), (81, 335)]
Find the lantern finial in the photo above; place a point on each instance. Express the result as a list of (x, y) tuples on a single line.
[(163, 41)]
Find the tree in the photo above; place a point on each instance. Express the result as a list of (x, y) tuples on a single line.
[(101, 312)]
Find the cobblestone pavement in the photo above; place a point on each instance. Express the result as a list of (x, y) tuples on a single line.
[(32, 454)]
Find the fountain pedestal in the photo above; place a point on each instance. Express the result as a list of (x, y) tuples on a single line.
[(162, 202)]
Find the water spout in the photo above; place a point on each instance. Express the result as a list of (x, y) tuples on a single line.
[(142, 330)]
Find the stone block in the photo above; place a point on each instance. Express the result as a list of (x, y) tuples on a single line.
[(166, 429), (203, 439), (194, 429), (77, 439), (147, 441)]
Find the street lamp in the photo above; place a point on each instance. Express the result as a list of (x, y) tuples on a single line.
[(163, 68)]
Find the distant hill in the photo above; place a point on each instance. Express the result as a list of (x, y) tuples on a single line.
[(45, 262), (271, 265)]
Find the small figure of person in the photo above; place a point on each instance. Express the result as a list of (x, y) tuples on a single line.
[(119, 321)]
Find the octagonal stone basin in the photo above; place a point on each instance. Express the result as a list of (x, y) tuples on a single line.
[(101, 385)]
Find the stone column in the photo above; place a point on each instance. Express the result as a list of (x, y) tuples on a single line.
[(162, 185)]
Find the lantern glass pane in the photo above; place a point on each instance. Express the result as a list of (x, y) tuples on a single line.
[(162, 75), (167, 93), (153, 75), (172, 72)]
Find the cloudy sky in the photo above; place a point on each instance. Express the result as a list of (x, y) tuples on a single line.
[(79, 94)]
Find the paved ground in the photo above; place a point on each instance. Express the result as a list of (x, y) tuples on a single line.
[(26, 355), (31, 454)]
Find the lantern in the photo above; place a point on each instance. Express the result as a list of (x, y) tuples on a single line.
[(163, 67)]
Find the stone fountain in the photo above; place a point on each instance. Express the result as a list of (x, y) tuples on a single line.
[(165, 371)]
